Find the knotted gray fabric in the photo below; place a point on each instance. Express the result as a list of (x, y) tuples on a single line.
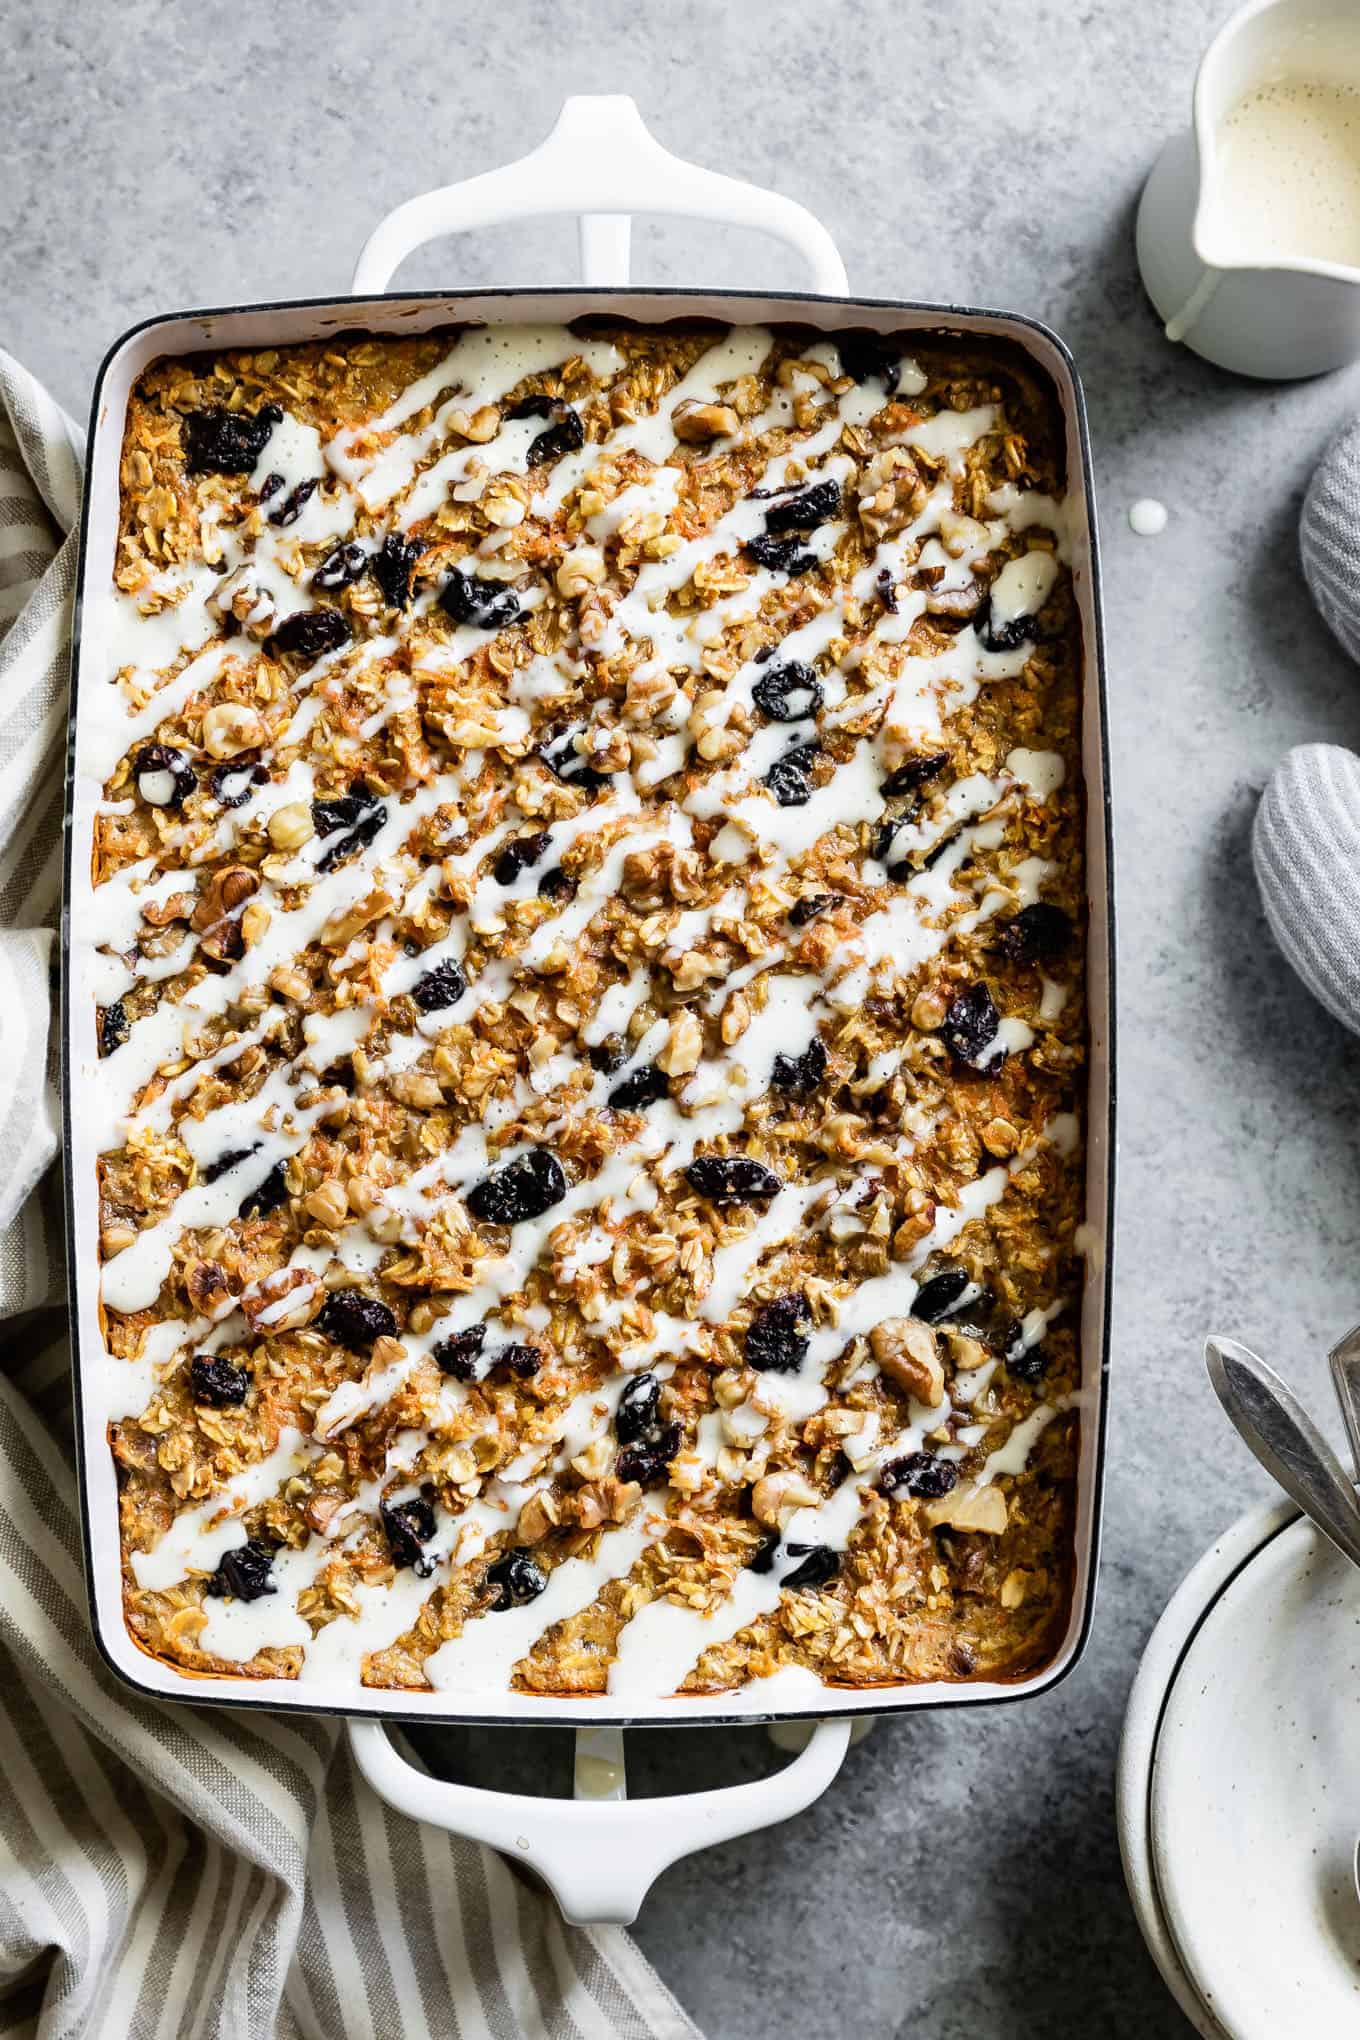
[(1306, 850), (1329, 537), (1306, 840)]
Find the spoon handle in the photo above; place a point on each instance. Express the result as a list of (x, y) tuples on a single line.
[(1274, 1423), (1345, 1363)]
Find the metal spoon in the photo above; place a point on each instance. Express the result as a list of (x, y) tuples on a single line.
[(1274, 1423), (1345, 1364), (1289, 1445)]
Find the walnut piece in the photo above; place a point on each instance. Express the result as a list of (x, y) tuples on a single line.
[(230, 728), (684, 1045), (697, 423), (212, 918), (908, 1352), (777, 1495), (970, 1507)]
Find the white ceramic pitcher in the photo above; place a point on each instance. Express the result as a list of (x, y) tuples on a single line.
[(1284, 317)]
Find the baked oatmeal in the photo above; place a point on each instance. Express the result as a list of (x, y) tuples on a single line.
[(590, 912)]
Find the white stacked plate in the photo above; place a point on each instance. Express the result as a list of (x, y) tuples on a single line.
[(1239, 1787)]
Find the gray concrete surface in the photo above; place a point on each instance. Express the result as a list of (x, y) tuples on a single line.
[(963, 1878)]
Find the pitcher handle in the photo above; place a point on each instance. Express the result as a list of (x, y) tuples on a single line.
[(600, 162)]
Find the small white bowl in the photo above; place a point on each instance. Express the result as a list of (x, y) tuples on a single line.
[(1239, 1786)]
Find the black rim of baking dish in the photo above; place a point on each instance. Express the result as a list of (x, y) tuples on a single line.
[(885, 1699)]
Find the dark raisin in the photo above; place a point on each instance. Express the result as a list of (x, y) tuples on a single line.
[(788, 693), (217, 1381), (1025, 1363), (800, 1074), (820, 1565), (344, 812), (266, 1196), (518, 855), (295, 502), (647, 1464), (341, 568), (114, 1027), (975, 1314), (408, 1526), (229, 944), (556, 885), (523, 1362), (524, 1188), (942, 1295), (270, 487), (806, 509), (311, 633), (919, 1474), (731, 1179), (467, 598), (788, 779), (778, 1335), (608, 1055), (358, 838), (868, 354), (766, 652), (229, 1160), (563, 437), (1003, 637), (458, 1356), (218, 442), (639, 1089), (562, 757), (243, 1572), (765, 1554), (1038, 934), (539, 405), (937, 849), (636, 1417), (915, 773), (516, 1579), (392, 566), (355, 1319), (231, 785), (884, 836), (781, 555), (165, 778), (439, 988), (887, 590), (809, 907), (970, 1030)]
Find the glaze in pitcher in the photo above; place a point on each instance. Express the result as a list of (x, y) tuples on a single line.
[(1236, 287)]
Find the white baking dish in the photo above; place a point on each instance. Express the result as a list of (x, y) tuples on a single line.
[(598, 157)]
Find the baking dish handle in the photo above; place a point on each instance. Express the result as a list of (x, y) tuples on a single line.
[(599, 1853), (598, 158)]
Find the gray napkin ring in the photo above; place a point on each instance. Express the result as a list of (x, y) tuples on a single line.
[(1305, 846), (1329, 537)]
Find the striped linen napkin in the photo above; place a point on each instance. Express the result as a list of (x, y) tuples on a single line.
[(171, 1873)]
